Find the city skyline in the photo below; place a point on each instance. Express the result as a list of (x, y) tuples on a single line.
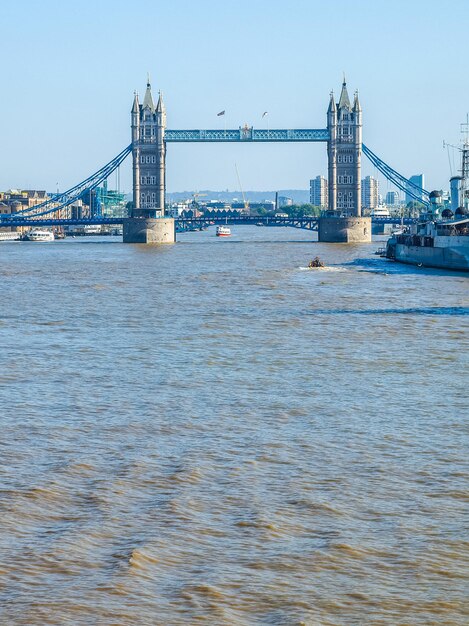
[(67, 114)]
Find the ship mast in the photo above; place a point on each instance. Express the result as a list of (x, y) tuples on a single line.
[(465, 163)]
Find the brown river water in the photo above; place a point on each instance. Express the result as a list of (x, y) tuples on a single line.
[(209, 433)]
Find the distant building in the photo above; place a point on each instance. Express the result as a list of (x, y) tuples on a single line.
[(18, 199), (178, 208), (318, 192), (110, 202), (15, 200), (392, 198), (370, 192), (284, 201), (419, 180), (5, 209)]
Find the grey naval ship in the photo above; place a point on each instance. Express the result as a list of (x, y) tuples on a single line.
[(440, 238)]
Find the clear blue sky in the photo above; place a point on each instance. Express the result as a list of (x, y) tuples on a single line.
[(70, 68)]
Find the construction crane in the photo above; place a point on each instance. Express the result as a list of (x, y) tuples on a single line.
[(245, 202)]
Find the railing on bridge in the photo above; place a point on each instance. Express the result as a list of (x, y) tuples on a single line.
[(247, 134), (190, 223)]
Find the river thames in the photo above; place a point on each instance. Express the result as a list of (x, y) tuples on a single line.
[(209, 433)]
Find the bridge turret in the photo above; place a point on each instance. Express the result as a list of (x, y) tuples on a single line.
[(332, 153), (161, 146), (357, 108), (135, 118), (332, 109), (135, 130), (160, 108), (357, 135)]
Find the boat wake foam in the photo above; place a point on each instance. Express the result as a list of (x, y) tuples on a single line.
[(323, 269)]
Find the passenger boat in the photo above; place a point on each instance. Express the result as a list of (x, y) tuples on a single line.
[(39, 234), (223, 231)]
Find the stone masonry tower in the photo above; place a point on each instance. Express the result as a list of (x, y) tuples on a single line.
[(344, 222), (344, 123), (148, 155), (148, 223)]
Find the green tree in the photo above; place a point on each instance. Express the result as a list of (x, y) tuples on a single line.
[(302, 210)]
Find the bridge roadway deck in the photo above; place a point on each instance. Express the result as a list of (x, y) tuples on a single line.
[(191, 223)]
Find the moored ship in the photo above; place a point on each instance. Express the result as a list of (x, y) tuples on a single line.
[(440, 238)]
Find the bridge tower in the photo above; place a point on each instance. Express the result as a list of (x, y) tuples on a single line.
[(148, 223), (344, 222), (148, 125)]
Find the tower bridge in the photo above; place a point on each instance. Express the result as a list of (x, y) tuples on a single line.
[(343, 135)]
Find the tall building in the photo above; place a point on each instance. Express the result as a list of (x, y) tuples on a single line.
[(318, 192), (419, 180), (344, 122), (392, 198), (148, 154), (370, 192)]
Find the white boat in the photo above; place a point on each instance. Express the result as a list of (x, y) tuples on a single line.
[(380, 211), (223, 231), (378, 227), (39, 234)]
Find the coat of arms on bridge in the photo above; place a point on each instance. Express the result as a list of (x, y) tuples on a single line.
[(246, 132)]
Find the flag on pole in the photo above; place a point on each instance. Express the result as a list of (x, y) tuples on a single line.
[(264, 114), (221, 113)]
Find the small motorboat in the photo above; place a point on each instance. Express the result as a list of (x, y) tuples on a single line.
[(223, 231), (316, 262)]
